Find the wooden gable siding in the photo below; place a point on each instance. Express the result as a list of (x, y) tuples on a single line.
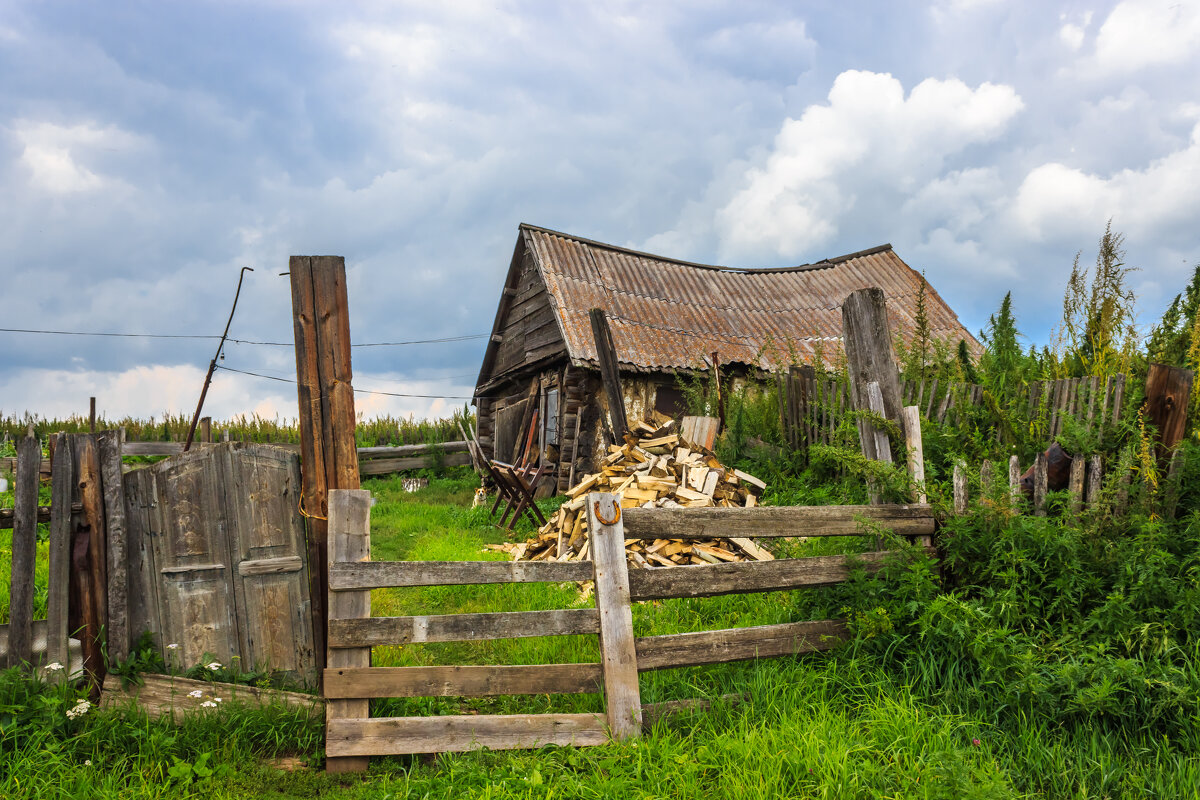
[(529, 329)]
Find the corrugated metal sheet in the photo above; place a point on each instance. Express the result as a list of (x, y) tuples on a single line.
[(668, 314)]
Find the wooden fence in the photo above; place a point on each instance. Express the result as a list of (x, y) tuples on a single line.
[(352, 735), (814, 405)]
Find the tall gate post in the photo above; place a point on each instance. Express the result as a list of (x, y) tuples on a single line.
[(617, 654), (328, 456)]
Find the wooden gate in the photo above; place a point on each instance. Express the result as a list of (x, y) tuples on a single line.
[(216, 549), (352, 734)]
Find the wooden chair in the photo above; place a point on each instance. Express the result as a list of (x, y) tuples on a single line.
[(515, 486)]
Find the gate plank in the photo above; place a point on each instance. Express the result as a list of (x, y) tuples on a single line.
[(345, 577), (737, 644), (109, 444), (24, 550), (397, 735), (62, 483), (771, 521), (461, 681), (378, 631)]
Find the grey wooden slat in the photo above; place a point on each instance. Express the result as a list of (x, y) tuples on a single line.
[(386, 574), (402, 735), (142, 572), (773, 521), (62, 485), (738, 644), (384, 466), (461, 681), (377, 631), (349, 539), (118, 632), (24, 550), (742, 577)]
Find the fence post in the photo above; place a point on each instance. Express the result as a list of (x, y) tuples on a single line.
[(58, 580), (24, 550), (1014, 478), (1040, 479), (1078, 465), (617, 654), (1095, 474), (960, 487), (206, 429), (110, 444), (1167, 393), (868, 345), (349, 540)]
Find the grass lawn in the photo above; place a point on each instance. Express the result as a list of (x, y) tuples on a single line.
[(835, 725)]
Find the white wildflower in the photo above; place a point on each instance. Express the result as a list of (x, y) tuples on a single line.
[(87, 763), (196, 693), (208, 704), (54, 666), (173, 646), (214, 666), (81, 708), (217, 699)]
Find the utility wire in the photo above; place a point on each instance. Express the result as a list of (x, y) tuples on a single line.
[(444, 339), (356, 391)]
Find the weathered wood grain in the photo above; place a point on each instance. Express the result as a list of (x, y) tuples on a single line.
[(118, 633), (93, 586), (388, 574), (349, 540), (773, 521), (62, 487), (24, 550), (460, 681), (617, 655), (397, 735), (1078, 468), (1168, 390), (385, 466), (737, 644), (960, 488), (1014, 478), (743, 577), (1040, 484), (378, 631), (409, 450), (166, 695), (868, 347), (606, 352)]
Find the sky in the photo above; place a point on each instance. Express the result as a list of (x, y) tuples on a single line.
[(150, 150)]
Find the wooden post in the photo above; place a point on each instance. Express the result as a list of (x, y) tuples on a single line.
[(24, 550), (617, 654), (1014, 478), (349, 541), (117, 634), (328, 456), (1040, 479), (1167, 393), (880, 446), (987, 473), (606, 353), (1078, 466), (868, 342), (206, 429), (916, 460), (90, 557), (960, 487), (58, 581), (92, 414), (1095, 479)]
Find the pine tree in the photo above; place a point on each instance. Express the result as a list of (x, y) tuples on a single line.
[(1002, 363)]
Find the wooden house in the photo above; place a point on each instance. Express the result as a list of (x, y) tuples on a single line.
[(668, 319)]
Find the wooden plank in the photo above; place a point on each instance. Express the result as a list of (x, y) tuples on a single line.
[(349, 541), (460, 681), (960, 488), (1095, 479), (880, 448), (916, 452), (62, 485), (378, 631), (166, 695), (24, 550), (43, 514), (1040, 478), (773, 521), (710, 580), (1118, 399), (738, 644), (1168, 391), (617, 654), (1014, 478), (141, 519), (389, 574), (118, 633), (95, 607), (1078, 466), (868, 346), (654, 712), (408, 450), (385, 466), (606, 352), (403, 735)]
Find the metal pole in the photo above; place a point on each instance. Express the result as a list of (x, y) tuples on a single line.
[(212, 365)]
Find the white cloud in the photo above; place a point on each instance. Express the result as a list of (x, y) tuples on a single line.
[(868, 137), (1145, 33), (1071, 36), (1057, 201), (53, 154)]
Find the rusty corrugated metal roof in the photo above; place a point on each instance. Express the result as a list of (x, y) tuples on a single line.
[(669, 314)]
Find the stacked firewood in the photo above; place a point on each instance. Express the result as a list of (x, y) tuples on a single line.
[(655, 468)]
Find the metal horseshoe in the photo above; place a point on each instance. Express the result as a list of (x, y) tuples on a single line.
[(603, 521)]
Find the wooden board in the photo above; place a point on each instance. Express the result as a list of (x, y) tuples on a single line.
[(708, 580), (710, 523), (118, 633), (349, 540), (461, 681), (58, 578), (737, 644), (384, 466), (388, 574), (397, 735), (378, 631), (160, 695), (24, 551)]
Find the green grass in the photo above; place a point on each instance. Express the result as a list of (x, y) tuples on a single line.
[(880, 718)]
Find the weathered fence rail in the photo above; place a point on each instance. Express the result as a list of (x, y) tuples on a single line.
[(352, 734)]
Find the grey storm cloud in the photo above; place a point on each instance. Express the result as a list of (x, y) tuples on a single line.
[(148, 151)]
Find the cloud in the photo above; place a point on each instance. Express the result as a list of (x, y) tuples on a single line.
[(869, 137), (53, 154), (1146, 33)]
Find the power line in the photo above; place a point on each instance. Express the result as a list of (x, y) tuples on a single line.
[(463, 338), (356, 391)]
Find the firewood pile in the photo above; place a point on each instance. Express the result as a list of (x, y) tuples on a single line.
[(655, 468)]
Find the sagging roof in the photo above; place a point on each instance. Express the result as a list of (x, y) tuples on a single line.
[(667, 314)]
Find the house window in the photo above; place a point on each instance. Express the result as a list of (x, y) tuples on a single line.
[(550, 424)]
